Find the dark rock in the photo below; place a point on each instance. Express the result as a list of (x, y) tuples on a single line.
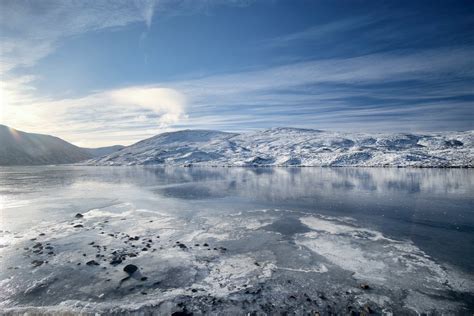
[(194, 290), (115, 262), (79, 215), (205, 245), (92, 263), (197, 245), (182, 246), (38, 245), (145, 249), (37, 263), (144, 278), (130, 268), (78, 226), (42, 234), (182, 313), (364, 286)]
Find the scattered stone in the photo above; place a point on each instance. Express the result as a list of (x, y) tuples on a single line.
[(364, 286), (38, 245), (92, 263), (78, 226), (37, 263), (196, 245), (194, 290), (182, 246), (130, 268), (115, 262), (79, 215), (205, 245), (144, 278), (145, 249), (42, 234)]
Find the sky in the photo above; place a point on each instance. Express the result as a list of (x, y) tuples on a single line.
[(102, 72)]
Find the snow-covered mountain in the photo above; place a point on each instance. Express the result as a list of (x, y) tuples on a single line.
[(298, 147), (21, 148), (103, 151)]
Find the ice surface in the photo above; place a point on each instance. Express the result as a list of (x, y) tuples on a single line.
[(236, 240), (223, 258)]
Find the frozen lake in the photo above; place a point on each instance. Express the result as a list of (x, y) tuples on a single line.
[(236, 240)]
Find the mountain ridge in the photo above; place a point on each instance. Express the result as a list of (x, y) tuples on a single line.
[(287, 146), (19, 148)]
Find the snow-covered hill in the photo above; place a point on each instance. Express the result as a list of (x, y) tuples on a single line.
[(22, 148), (298, 147)]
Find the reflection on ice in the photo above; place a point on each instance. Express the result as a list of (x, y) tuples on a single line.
[(230, 240)]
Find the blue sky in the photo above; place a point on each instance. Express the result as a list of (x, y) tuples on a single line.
[(106, 72)]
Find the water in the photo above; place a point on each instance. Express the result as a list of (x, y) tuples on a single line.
[(279, 239)]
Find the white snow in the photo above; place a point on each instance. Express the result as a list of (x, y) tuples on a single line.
[(298, 147)]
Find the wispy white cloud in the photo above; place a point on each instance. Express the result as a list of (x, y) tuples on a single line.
[(318, 94), (30, 30), (109, 111)]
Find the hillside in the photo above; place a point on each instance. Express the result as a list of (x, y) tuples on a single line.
[(298, 147), (21, 148)]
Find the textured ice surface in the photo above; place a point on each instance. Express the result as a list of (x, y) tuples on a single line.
[(236, 240), (236, 263), (298, 147)]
